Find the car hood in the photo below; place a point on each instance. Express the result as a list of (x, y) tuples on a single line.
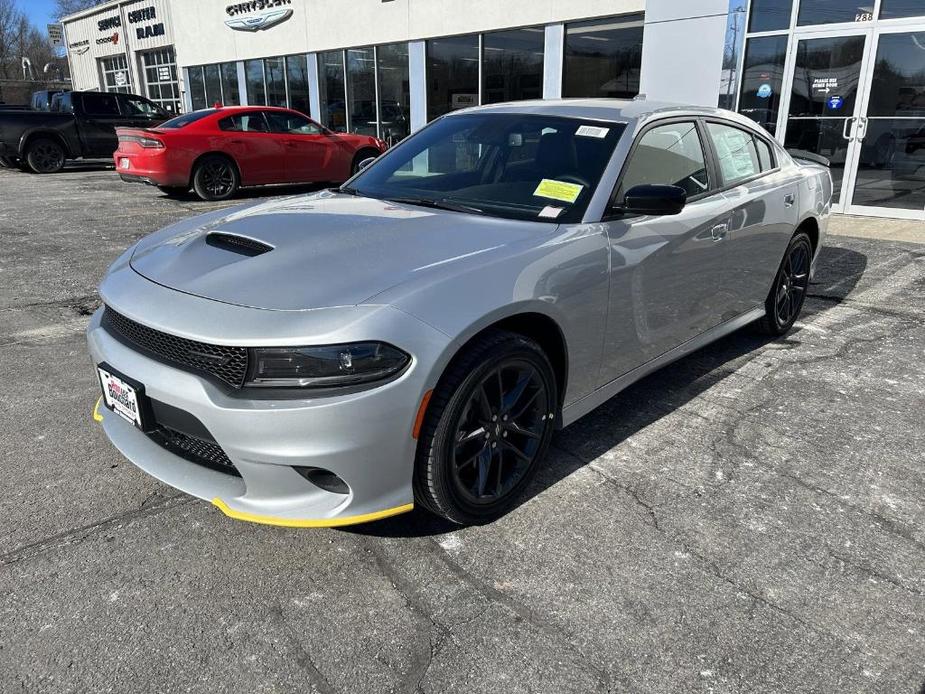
[(326, 249)]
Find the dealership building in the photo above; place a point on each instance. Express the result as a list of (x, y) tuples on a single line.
[(842, 78)]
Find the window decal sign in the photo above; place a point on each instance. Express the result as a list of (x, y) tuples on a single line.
[(835, 102), (764, 91), (257, 15), (558, 190)]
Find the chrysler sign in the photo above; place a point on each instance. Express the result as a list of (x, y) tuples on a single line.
[(257, 14)]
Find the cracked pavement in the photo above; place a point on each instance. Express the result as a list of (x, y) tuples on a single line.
[(749, 519)]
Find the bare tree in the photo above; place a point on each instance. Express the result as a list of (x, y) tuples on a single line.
[(18, 39), (66, 7)]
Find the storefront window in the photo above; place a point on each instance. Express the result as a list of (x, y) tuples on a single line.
[(197, 88), (213, 84), (274, 71), (361, 90), (452, 74), (394, 92), (231, 94), (115, 74), (893, 9), (512, 66), (763, 80), (331, 90), (256, 93), (297, 81), (832, 11), (770, 15), (602, 58)]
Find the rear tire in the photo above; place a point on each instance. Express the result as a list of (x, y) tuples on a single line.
[(9, 162), (487, 429), (360, 156), (216, 178), (45, 156), (785, 300), (173, 191)]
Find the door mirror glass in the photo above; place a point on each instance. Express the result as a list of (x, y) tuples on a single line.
[(366, 162), (654, 199)]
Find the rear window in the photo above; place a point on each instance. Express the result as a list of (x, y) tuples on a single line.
[(100, 104), (185, 119)]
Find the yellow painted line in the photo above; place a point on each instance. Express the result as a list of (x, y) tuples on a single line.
[(97, 417), (309, 522)]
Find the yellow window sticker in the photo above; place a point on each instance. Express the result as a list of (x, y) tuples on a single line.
[(558, 190)]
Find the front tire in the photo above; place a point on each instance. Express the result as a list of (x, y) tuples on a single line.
[(216, 178), (785, 300), (45, 156), (487, 429)]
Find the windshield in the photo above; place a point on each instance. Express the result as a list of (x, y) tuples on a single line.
[(503, 164), (185, 119)]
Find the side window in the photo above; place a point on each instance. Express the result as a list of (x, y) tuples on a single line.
[(137, 106), (244, 123), (291, 123), (669, 154), (100, 104), (764, 154), (736, 152)]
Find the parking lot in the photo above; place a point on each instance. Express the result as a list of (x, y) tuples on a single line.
[(749, 519)]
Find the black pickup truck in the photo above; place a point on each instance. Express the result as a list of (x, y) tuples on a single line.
[(78, 125)]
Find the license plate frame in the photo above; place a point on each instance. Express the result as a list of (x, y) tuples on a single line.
[(120, 393)]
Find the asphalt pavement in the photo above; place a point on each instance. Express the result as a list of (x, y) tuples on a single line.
[(749, 519)]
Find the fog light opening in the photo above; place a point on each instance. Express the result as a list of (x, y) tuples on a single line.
[(323, 479)]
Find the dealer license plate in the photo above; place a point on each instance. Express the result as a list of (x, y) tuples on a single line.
[(124, 163), (121, 397)]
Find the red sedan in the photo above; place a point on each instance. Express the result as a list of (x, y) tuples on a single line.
[(215, 151)]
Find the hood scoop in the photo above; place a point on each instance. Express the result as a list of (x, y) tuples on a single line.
[(242, 245)]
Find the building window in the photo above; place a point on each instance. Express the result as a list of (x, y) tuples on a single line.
[(216, 83), (452, 74), (834, 11), (159, 68), (275, 73), (394, 92), (512, 65), (361, 90), (331, 90), (602, 58), (115, 74), (213, 80), (893, 9), (763, 80), (770, 15), (297, 83), (253, 74), (231, 93)]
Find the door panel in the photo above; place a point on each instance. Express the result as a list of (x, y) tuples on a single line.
[(99, 118)]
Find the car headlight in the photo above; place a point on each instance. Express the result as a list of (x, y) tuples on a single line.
[(325, 366)]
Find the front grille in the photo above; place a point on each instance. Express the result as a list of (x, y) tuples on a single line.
[(228, 364), (195, 450)]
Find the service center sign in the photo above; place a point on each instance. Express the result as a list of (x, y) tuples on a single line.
[(257, 15)]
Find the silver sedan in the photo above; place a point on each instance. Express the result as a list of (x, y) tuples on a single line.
[(416, 335)]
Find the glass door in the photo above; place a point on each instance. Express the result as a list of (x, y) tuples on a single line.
[(889, 177), (823, 108)]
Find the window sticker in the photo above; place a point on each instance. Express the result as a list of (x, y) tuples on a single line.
[(558, 190), (592, 131), (550, 212)]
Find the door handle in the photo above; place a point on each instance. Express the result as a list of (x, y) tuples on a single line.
[(789, 199), (235, 142), (849, 122), (862, 128), (719, 232)]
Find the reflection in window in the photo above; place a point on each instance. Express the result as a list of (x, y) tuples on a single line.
[(825, 69), (832, 11), (394, 92), (276, 81), (297, 81), (331, 90), (770, 15), (763, 80), (893, 9), (230, 92), (512, 66), (452, 74), (197, 88), (898, 87), (213, 84), (256, 93), (667, 155), (361, 90), (602, 58)]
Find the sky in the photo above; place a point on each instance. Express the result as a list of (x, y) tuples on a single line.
[(41, 12)]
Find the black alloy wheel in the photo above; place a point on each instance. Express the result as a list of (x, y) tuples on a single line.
[(785, 301), (45, 156), (216, 178), (487, 429)]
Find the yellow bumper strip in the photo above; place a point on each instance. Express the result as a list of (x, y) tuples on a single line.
[(309, 522), (97, 417)]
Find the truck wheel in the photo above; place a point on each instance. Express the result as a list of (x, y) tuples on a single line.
[(45, 156), (216, 178), (9, 162)]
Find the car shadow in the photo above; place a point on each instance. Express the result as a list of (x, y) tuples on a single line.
[(650, 399)]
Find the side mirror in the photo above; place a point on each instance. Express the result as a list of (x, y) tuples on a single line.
[(658, 200), (366, 162)]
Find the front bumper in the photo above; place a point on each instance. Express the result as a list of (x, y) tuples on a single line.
[(364, 437)]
